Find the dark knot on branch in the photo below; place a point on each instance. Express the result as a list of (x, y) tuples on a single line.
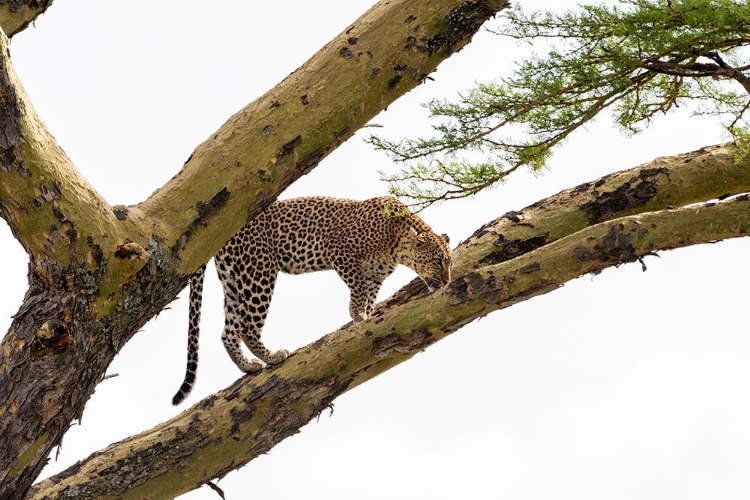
[(54, 335)]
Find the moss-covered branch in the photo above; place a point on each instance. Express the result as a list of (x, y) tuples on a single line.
[(228, 429), (46, 202), (284, 134), (673, 181), (698, 176)]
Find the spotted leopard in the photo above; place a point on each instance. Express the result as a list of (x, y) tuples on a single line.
[(363, 241)]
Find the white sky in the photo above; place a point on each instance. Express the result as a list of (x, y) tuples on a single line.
[(622, 385)]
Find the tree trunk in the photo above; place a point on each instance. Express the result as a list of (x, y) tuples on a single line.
[(557, 240), (98, 273)]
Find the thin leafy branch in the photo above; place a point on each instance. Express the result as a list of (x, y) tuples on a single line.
[(635, 58)]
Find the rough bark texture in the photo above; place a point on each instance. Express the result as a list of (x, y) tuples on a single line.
[(248, 418), (16, 15), (98, 273), (708, 173)]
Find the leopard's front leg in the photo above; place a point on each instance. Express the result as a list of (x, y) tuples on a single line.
[(352, 274), (376, 272), (364, 282)]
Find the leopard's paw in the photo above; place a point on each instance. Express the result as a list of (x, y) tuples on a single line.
[(278, 356), (253, 366)]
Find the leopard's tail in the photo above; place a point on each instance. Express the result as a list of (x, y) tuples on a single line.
[(196, 299)]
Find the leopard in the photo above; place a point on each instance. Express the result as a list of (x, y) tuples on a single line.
[(362, 240)]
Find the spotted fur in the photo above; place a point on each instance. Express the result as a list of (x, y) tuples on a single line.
[(363, 241)]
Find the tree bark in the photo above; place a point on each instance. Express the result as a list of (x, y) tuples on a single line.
[(711, 172), (230, 428), (98, 273), (16, 15)]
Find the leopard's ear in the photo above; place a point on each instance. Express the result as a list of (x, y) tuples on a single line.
[(446, 238), (417, 237)]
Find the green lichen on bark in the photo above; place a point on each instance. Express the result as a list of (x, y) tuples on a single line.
[(701, 175), (281, 136)]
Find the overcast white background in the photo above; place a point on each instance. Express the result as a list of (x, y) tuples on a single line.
[(622, 385)]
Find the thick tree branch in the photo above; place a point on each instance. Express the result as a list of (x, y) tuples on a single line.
[(672, 181), (228, 429), (46, 202), (694, 177), (284, 134), (16, 15), (98, 273)]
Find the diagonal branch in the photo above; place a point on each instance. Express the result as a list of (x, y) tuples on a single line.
[(284, 134), (698, 176), (694, 177), (44, 199), (247, 419)]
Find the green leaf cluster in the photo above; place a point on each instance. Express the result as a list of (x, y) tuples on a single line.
[(634, 58)]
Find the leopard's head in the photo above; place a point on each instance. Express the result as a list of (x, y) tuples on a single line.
[(432, 257)]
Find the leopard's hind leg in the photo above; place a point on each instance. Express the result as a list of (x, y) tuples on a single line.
[(248, 288)]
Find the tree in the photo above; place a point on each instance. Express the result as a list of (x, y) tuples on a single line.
[(640, 58), (478, 293), (98, 273)]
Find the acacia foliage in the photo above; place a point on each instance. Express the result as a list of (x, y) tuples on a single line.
[(634, 58)]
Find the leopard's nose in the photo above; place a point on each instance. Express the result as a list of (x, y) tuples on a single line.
[(434, 283)]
